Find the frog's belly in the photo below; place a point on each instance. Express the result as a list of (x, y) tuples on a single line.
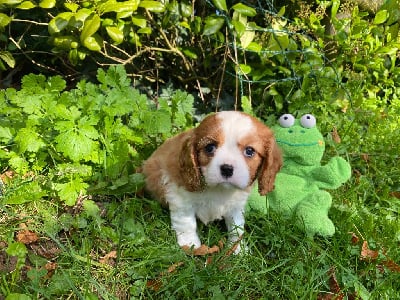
[(289, 191)]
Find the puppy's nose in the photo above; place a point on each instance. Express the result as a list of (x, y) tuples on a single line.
[(226, 170)]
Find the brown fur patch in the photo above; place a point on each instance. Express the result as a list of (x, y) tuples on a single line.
[(164, 164), (263, 141)]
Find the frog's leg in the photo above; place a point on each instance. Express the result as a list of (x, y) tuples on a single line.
[(312, 213)]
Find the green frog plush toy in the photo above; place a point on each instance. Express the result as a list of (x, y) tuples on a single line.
[(300, 186)]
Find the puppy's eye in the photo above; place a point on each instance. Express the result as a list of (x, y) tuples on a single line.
[(249, 152), (210, 148)]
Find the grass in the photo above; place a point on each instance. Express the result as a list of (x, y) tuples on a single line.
[(128, 251)]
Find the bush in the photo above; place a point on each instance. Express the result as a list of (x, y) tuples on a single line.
[(224, 52), (92, 137)]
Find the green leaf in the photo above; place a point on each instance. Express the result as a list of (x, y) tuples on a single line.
[(146, 30), (68, 169), (91, 209), (213, 24), (4, 20), (115, 76), (19, 164), (78, 144), (28, 140), (240, 28), (2, 66), (65, 42), (10, 2), (190, 52), (75, 56), (279, 42), (186, 9), (79, 18), (244, 10), (71, 6), (59, 23), (93, 43), (17, 249), (381, 17), (119, 7), (118, 104), (243, 69), (220, 4), (246, 105), (5, 135), (26, 192), (153, 6), (7, 58), (247, 38), (26, 5), (47, 3), (139, 20), (90, 27), (182, 107), (281, 12), (31, 105), (155, 122), (361, 290), (335, 8), (70, 191), (254, 47), (115, 34), (16, 296)]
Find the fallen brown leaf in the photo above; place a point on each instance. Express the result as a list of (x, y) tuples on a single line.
[(201, 251), (174, 266), (45, 248), (156, 284), (354, 238), (109, 258), (334, 288), (392, 266), (51, 268), (27, 237), (368, 254), (372, 255), (395, 194)]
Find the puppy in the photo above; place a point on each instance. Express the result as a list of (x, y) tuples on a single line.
[(208, 172)]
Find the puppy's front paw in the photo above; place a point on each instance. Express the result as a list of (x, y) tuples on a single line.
[(188, 240)]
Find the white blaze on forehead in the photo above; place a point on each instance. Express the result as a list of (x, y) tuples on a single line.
[(235, 125)]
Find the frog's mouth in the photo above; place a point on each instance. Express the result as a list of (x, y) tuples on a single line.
[(319, 142)]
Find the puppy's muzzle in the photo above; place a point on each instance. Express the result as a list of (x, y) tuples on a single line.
[(226, 170)]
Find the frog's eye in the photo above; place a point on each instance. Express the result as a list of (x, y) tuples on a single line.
[(308, 121), (286, 120)]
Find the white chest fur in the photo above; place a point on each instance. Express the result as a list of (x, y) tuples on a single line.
[(211, 204), (222, 201)]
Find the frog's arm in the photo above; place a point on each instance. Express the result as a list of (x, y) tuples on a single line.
[(332, 175)]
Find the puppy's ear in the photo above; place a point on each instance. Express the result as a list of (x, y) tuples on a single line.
[(270, 167), (189, 167)]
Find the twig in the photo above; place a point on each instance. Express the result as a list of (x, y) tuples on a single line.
[(30, 21), (175, 50), (30, 58)]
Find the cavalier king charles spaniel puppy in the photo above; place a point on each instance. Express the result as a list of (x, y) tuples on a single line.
[(208, 173)]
